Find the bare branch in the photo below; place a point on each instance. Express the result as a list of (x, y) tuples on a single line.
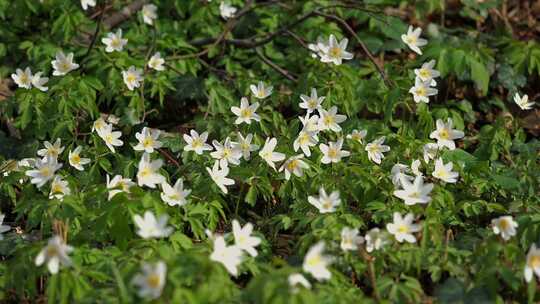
[(274, 66)]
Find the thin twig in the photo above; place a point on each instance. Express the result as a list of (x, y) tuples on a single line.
[(274, 66), (96, 32), (371, 271), (169, 157)]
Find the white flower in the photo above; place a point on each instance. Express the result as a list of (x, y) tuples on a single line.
[(350, 239), (375, 150), (427, 74), (317, 47), (63, 65), (197, 142), (330, 120), (220, 176), (132, 77), (98, 125), (55, 254), (39, 82), (414, 193), (110, 137), (311, 103), (59, 188), (245, 146), (444, 172), (112, 119), (151, 281), (305, 140), (86, 3), (227, 153), (532, 264), (316, 263), (156, 62), (403, 228), (335, 51), (358, 135), (243, 238), (175, 195), (421, 91), (430, 151), (505, 226), (23, 79), (148, 174), (332, 152), (149, 12), (296, 279), (226, 10), (51, 150), (114, 41), (246, 112), (413, 40), (260, 90), (267, 152), (150, 227), (415, 167), (375, 239), (148, 140), (118, 184), (75, 159), (44, 171), (229, 256), (398, 171), (294, 165), (324, 202), (522, 102), (310, 124), (445, 135), (3, 228)]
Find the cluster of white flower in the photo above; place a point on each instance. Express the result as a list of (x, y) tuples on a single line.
[(331, 51)]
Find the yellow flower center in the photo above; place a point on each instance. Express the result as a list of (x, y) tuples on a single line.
[(115, 43), (293, 164), (424, 73), (261, 93), (153, 281), (109, 138), (146, 172), (505, 224), (332, 153), (45, 171), (314, 261), (444, 134), (335, 52), (130, 78), (403, 229), (421, 91), (75, 158), (24, 78), (52, 251), (148, 142), (57, 189), (327, 204), (312, 104), (411, 40), (328, 120), (196, 143), (246, 113)]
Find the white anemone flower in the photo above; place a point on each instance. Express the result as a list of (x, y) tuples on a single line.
[(55, 254), (316, 263), (403, 228), (151, 281), (325, 203), (151, 227)]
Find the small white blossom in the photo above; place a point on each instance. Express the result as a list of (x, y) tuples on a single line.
[(39, 82), (375, 150), (62, 64), (522, 102), (427, 74), (245, 146), (445, 135), (444, 171), (261, 91), (152, 227), (532, 264), (246, 112), (505, 226), (132, 77), (294, 165), (175, 195), (151, 281), (414, 193), (332, 152), (316, 263), (267, 152), (114, 42), (197, 142), (430, 151), (59, 188), (86, 3), (55, 254), (148, 140), (415, 167), (324, 202), (110, 137), (403, 228), (398, 171), (51, 150), (23, 79), (220, 176), (296, 279), (243, 238), (334, 51), (118, 185), (413, 40), (310, 123), (149, 12), (311, 103), (156, 62), (330, 120), (350, 239), (357, 135), (227, 153), (422, 90), (75, 159), (229, 256), (375, 239), (44, 171), (148, 173), (304, 141), (226, 10)]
